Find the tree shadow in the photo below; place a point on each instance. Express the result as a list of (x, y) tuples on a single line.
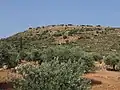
[(6, 86), (95, 82), (109, 69)]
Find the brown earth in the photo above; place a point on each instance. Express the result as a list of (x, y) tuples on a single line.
[(4, 83), (104, 80), (5, 77)]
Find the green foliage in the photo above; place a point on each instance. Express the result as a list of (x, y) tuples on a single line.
[(118, 66), (66, 53), (58, 33), (35, 39), (13, 60), (7, 58), (71, 32), (4, 57), (97, 57), (21, 55), (61, 64), (87, 63), (112, 60), (35, 55), (53, 76), (21, 44)]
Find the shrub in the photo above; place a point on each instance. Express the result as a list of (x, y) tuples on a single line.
[(67, 41), (38, 28), (35, 55), (21, 55), (28, 57), (53, 25), (71, 32), (87, 63), (89, 26), (43, 26), (61, 25), (64, 37), (97, 57), (112, 60), (4, 57), (118, 66), (82, 25), (13, 60), (59, 33), (65, 53), (98, 25), (7, 58), (70, 24), (53, 76), (30, 28), (97, 32)]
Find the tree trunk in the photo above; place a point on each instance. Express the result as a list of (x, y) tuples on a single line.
[(114, 67), (21, 46)]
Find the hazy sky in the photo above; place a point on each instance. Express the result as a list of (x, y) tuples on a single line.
[(18, 15)]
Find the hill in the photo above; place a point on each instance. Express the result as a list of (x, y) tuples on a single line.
[(75, 48), (90, 38)]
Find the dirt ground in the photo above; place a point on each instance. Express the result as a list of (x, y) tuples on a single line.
[(109, 80), (4, 84), (103, 79)]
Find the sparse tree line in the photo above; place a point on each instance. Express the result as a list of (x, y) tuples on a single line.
[(42, 27)]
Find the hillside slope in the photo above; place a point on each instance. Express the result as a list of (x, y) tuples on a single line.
[(90, 38)]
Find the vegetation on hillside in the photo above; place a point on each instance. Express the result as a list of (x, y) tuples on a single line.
[(64, 53)]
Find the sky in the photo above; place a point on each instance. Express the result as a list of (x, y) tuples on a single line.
[(18, 15)]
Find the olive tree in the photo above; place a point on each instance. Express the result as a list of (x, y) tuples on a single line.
[(65, 53), (52, 76)]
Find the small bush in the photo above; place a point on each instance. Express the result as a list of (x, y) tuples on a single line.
[(43, 27), (30, 28), (67, 41), (70, 24), (38, 28), (35, 55), (21, 55), (8, 58), (4, 57), (13, 61), (71, 32), (98, 25), (61, 25), (58, 33), (112, 60), (97, 57), (64, 37), (118, 66)]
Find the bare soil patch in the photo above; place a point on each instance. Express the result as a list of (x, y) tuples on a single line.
[(105, 80)]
